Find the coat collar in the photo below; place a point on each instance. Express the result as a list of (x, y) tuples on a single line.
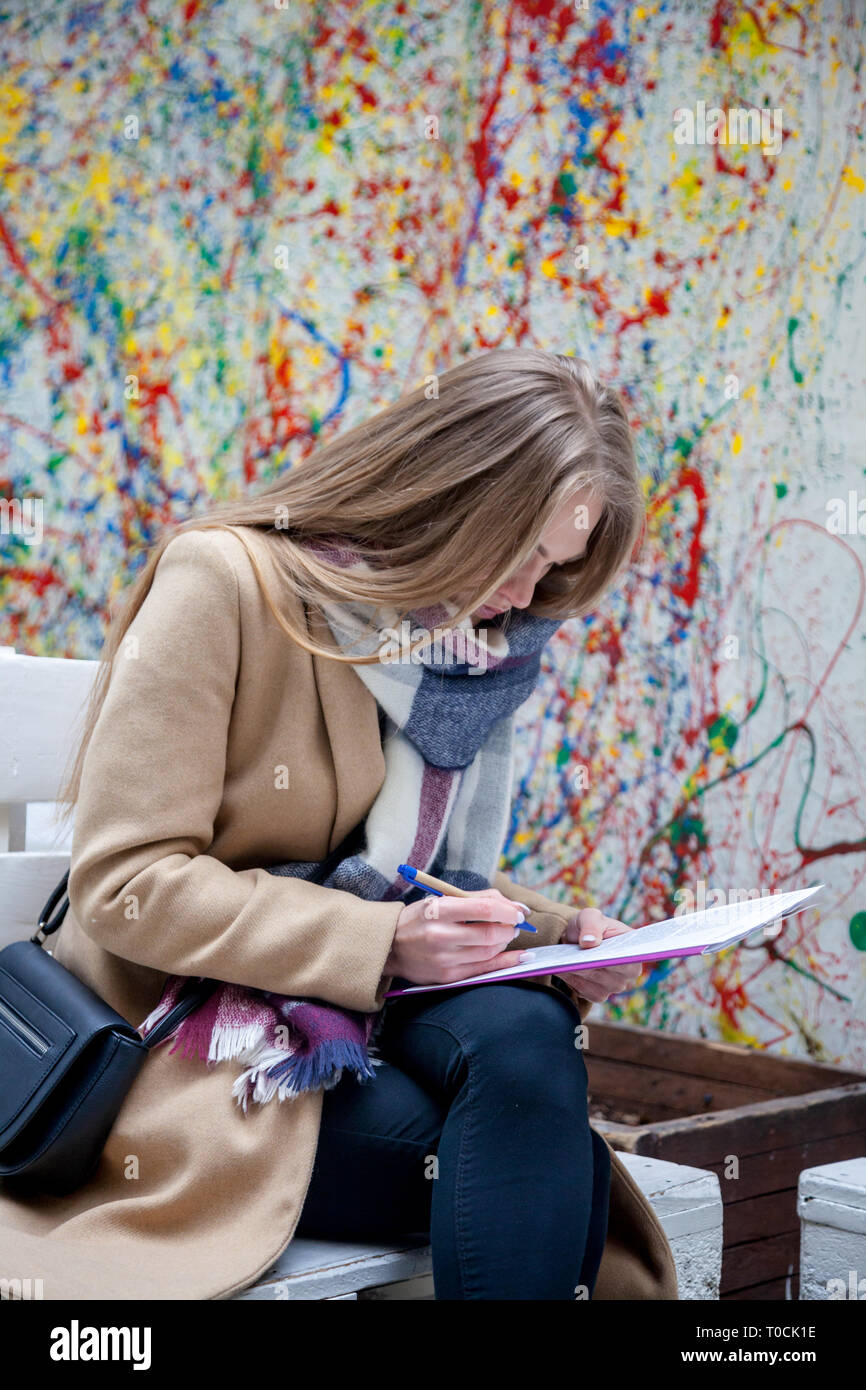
[(351, 717)]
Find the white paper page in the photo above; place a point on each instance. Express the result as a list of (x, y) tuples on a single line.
[(712, 929)]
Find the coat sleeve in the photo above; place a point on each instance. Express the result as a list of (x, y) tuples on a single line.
[(550, 918), (142, 883)]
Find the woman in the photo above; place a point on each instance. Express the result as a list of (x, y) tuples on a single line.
[(250, 776)]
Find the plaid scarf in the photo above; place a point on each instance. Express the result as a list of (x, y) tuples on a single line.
[(448, 724)]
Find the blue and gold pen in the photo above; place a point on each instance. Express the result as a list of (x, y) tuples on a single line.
[(441, 889)]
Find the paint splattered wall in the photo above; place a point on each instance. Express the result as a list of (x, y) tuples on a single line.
[(441, 180)]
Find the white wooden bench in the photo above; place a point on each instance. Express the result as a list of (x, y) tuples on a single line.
[(42, 700), (687, 1201)]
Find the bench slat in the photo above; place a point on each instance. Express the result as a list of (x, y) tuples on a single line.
[(321, 1269), (26, 883), (42, 700)]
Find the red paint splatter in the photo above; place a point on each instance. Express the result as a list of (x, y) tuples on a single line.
[(688, 479)]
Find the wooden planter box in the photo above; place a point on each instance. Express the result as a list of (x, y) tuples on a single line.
[(697, 1102)]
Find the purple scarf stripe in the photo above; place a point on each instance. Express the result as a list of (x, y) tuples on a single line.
[(196, 1030)]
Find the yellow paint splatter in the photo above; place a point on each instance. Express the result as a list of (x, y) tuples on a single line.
[(616, 226), (687, 183), (99, 184), (732, 1034)]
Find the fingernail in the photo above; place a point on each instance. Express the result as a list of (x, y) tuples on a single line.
[(587, 937)]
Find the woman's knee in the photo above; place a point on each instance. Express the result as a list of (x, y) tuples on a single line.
[(517, 1027)]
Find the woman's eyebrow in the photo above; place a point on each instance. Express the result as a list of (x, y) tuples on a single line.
[(545, 555)]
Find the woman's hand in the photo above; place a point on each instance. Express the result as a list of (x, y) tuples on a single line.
[(588, 928), (442, 939)]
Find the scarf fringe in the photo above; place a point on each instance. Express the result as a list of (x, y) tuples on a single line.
[(287, 1076), (226, 1044), (270, 1071)]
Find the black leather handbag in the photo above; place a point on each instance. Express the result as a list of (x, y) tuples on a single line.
[(67, 1061)]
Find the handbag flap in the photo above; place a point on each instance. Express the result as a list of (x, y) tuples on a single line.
[(47, 1018)]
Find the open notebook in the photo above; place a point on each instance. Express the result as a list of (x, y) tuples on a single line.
[(693, 934)]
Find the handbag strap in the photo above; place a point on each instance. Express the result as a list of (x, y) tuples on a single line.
[(44, 927), (195, 992)]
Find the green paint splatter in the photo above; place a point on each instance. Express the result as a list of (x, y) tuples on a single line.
[(857, 930), (793, 325), (686, 828), (722, 734)]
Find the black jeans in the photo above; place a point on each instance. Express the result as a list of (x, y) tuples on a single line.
[(475, 1134)]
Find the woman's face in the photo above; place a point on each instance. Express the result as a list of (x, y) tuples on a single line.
[(564, 538)]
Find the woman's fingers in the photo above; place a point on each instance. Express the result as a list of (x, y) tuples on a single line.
[(469, 935), (593, 926), (589, 988), (598, 985), (589, 927), (591, 923), (472, 941), (480, 907), (467, 919), (614, 928), (594, 993), (607, 979), (478, 967), (440, 939)]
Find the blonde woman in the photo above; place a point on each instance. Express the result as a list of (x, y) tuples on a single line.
[(251, 774)]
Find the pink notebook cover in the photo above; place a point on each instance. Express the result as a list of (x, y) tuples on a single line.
[(561, 970)]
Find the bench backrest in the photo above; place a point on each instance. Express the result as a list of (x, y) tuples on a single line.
[(42, 704)]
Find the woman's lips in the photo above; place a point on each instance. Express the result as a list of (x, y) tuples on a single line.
[(487, 612)]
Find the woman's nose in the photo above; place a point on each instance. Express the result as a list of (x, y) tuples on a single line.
[(518, 591)]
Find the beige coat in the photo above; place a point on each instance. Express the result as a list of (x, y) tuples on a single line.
[(211, 710)]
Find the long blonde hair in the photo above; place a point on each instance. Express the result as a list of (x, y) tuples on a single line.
[(445, 491)]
